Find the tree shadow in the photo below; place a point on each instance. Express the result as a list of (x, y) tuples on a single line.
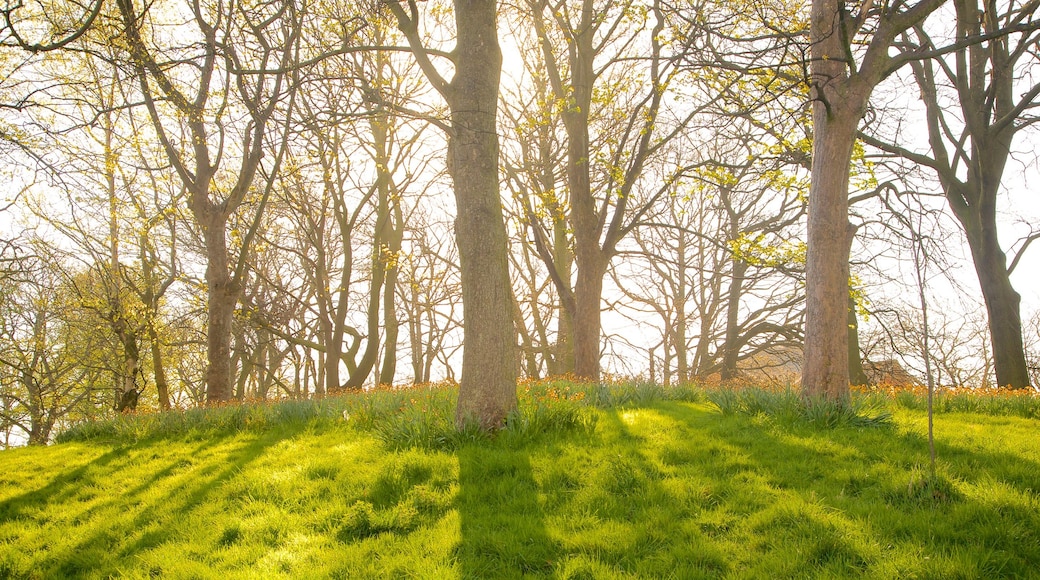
[(663, 544), (59, 489), (856, 494), (105, 549), (503, 532)]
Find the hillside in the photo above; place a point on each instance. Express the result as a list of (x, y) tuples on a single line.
[(651, 488)]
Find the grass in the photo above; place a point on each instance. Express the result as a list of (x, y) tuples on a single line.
[(587, 481)]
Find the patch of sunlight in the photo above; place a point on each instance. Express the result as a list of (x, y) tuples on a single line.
[(655, 426), (282, 474), (286, 558), (820, 444)]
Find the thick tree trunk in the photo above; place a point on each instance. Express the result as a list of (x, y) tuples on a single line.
[(731, 348), (487, 393), (840, 89), (222, 296), (826, 370), (39, 430), (588, 293), (839, 102), (1002, 305), (856, 374), (585, 220), (986, 105)]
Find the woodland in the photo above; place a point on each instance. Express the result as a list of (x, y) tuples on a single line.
[(216, 201)]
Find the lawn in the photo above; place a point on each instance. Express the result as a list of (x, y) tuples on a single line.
[(639, 487)]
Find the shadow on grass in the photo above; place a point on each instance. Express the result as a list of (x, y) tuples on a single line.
[(660, 542), (58, 490), (503, 531), (857, 501), (115, 537)]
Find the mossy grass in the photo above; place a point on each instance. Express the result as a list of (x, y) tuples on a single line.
[(612, 480)]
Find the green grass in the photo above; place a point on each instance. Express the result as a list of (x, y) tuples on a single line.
[(616, 481)]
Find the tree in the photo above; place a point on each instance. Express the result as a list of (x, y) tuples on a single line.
[(487, 391), (49, 350), (723, 262), (848, 60), (588, 58), (248, 53), (989, 80)]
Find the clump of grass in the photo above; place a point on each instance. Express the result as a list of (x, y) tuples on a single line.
[(855, 412), (923, 489), (788, 406), (995, 401), (615, 393), (427, 422)]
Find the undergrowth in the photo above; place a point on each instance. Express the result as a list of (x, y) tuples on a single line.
[(423, 416), (987, 401), (788, 406)]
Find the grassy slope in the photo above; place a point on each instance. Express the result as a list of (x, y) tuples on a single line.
[(671, 489)]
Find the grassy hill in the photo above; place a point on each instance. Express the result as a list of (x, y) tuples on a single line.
[(587, 482)]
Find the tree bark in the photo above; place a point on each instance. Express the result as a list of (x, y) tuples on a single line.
[(840, 89), (826, 371), (562, 261), (1002, 301), (856, 374), (838, 106), (222, 296), (487, 393), (588, 293), (162, 387), (731, 348)]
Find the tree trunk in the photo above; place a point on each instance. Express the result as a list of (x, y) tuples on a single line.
[(682, 355), (162, 387), (39, 430), (222, 296), (368, 358), (986, 106), (838, 106), (826, 370), (1002, 304), (563, 261), (856, 374), (128, 394), (731, 348), (588, 293), (150, 297), (487, 393), (391, 326)]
